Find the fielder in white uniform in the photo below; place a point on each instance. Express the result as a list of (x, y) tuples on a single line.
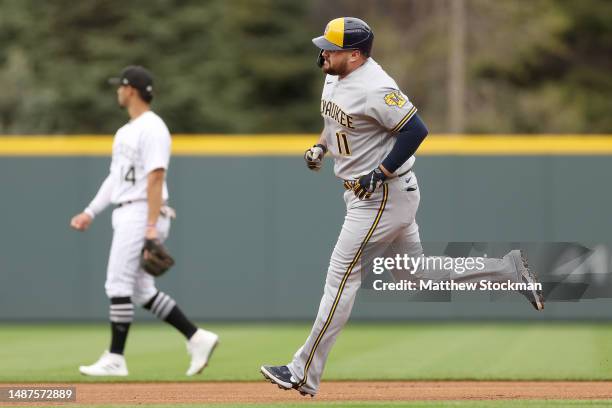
[(136, 186), (372, 131)]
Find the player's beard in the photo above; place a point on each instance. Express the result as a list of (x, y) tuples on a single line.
[(339, 69)]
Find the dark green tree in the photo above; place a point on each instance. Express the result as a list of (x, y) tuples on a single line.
[(220, 66), (247, 66)]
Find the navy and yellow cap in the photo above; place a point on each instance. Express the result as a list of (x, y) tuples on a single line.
[(346, 33)]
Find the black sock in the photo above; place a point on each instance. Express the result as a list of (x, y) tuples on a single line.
[(121, 316), (165, 308), (177, 318)]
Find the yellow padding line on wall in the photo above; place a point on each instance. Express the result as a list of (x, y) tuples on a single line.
[(291, 145)]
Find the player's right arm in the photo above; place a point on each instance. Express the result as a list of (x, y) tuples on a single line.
[(83, 220), (322, 140), (314, 155)]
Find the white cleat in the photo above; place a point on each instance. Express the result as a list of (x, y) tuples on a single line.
[(109, 364), (200, 347)]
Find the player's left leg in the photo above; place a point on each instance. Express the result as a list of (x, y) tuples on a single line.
[(367, 223), (200, 343)]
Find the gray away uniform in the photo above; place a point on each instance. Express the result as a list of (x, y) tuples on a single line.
[(362, 113)]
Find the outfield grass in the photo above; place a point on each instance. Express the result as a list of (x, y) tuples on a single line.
[(483, 351)]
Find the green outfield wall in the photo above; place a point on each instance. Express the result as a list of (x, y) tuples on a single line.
[(254, 232)]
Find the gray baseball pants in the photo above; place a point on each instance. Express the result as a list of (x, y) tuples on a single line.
[(387, 217)]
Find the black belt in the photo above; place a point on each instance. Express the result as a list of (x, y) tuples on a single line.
[(123, 204), (404, 173)]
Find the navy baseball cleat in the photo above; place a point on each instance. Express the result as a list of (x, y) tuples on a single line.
[(534, 296), (281, 376)]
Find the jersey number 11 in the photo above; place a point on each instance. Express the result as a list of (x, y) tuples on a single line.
[(343, 145)]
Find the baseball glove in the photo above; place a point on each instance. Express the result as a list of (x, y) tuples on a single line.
[(154, 258)]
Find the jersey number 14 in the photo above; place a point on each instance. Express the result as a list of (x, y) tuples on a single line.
[(343, 144), (130, 176)]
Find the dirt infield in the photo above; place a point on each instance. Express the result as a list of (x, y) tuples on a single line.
[(245, 392)]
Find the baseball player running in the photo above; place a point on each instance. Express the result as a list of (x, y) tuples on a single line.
[(372, 131), (137, 187)]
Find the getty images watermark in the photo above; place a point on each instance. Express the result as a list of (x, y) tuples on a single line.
[(435, 271), (456, 274)]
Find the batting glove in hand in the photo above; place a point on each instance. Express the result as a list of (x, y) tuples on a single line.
[(367, 184), (314, 157)]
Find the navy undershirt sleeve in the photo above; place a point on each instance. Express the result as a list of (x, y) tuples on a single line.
[(407, 142)]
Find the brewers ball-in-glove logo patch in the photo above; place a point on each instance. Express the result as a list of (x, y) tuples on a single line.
[(395, 98)]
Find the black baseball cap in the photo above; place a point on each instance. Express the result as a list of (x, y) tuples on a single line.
[(137, 77)]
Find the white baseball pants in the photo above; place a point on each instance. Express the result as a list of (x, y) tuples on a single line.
[(124, 276)]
